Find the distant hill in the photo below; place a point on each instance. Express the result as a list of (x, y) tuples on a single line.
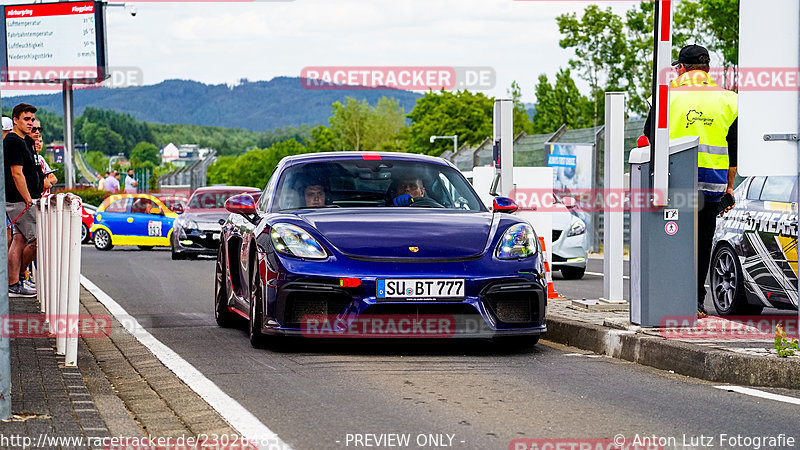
[(257, 106)]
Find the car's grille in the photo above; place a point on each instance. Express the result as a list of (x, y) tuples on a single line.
[(301, 304), (516, 303), (466, 318), (556, 235)]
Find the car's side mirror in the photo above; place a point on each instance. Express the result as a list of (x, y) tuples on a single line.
[(504, 205), (243, 204), (155, 211)]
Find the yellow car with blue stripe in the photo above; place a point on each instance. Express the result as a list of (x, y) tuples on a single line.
[(132, 219)]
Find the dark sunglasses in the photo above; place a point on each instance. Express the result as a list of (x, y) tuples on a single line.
[(36, 129)]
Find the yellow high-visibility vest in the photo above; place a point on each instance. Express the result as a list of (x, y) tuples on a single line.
[(698, 107)]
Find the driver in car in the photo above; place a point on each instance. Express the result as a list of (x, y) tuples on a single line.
[(407, 190)]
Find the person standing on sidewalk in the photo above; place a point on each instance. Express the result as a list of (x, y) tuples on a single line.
[(22, 182), (698, 107), (112, 182), (130, 183)]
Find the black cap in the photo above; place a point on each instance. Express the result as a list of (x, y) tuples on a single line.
[(693, 54)]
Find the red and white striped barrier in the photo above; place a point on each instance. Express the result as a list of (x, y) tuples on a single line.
[(58, 273)]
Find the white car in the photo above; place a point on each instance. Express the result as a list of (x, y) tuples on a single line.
[(569, 244)]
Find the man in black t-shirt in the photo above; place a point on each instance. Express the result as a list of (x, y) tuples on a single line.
[(22, 186)]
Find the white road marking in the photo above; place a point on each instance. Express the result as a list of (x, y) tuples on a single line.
[(237, 416), (762, 394)]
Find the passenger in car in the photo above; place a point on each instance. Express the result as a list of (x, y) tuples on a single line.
[(314, 195)]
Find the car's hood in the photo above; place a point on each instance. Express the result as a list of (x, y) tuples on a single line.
[(208, 221), (403, 232)]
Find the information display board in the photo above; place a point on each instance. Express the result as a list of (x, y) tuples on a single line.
[(54, 42)]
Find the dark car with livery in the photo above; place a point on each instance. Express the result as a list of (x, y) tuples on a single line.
[(196, 231), (359, 249), (754, 257)]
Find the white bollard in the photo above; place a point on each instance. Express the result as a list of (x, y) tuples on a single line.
[(40, 253), (52, 261), (613, 235), (74, 279), (62, 244)]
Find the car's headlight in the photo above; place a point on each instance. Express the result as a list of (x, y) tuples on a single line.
[(294, 241), (187, 224), (519, 241), (578, 227)]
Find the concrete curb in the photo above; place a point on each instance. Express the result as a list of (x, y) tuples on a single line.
[(680, 357)]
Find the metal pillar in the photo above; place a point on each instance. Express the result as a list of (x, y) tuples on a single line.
[(614, 216), (504, 137), (69, 144), (5, 340)]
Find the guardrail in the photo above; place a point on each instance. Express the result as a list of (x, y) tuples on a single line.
[(58, 256)]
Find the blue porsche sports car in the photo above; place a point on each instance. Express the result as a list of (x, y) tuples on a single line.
[(363, 244)]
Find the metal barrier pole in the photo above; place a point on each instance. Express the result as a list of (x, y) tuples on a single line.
[(73, 280), (62, 245), (5, 340)]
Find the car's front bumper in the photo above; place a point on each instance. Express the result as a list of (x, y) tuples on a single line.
[(510, 302), (197, 242), (569, 251)]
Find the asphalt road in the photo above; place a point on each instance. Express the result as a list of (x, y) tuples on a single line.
[(317, 394)]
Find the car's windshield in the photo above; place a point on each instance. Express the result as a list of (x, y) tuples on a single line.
[(210, 199), (374, 183)]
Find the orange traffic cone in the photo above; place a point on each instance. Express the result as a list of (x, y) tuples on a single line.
[(551, 290)]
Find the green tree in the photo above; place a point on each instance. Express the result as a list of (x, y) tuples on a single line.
[(97, 160), (323, 139), (145, 152), (350, 122), (560, 104), (102, 138), (598, 38), (256, 166), (219, 172), (521, 120), (465, 114)]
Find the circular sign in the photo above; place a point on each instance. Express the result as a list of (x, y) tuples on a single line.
[(671, 228)]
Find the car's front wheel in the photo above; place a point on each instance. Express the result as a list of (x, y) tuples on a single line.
[(102, 240), (221, 312), (257, 338), (573, 273), (727, 286)]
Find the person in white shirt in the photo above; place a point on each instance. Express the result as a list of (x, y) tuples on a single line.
[(130, 183)]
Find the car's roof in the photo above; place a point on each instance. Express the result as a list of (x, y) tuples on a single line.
[(226, 188), (337, 156)]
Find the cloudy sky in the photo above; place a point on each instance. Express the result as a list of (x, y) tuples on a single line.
[(223, 42)]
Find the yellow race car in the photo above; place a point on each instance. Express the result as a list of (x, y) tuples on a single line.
[(132, 219)]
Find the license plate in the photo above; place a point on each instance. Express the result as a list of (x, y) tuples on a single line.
[(421, 288)]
